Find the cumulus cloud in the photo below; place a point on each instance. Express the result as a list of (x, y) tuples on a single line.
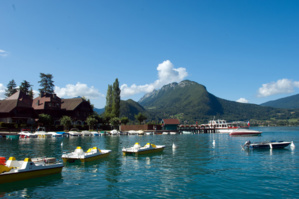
[(3, 53), (166, 74), (78, 90), (242, 100), (2, 91), (279, 87)]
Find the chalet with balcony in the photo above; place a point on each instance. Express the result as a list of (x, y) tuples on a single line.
[(17, 109)]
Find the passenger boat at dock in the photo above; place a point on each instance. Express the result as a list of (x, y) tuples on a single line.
[(148, 148), (90, 155), (221, 126), (13, 170)]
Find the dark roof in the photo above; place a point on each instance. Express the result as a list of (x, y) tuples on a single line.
[(71, 104), (18, 99), (7, 105), (171, 121)]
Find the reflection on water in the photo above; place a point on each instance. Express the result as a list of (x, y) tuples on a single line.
[(28, 187), (195, 169)]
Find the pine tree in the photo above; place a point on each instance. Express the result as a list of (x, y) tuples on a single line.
[(116, 99), (46, 83), (25, 86), (11, 88)]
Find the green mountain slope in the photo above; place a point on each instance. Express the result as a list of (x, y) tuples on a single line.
[(291, 102), (130, 108)]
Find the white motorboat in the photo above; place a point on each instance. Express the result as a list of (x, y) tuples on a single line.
[(221, 126), (55, 134), (86, 133), (244, 132), (90, 155), (266, 145), (75, 132), (94, 133), (114, 132), (25, 133)]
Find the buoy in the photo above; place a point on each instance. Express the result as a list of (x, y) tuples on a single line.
[(292, 145), (61, 144), (214, 142), (174, 146)]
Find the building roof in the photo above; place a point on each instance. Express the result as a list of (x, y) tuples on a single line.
[(18, 99), (70, 104), (171, 121)]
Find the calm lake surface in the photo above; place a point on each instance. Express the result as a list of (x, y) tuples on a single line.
[(195, 169)]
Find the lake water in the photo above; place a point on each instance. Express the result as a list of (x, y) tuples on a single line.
[(195, 169)]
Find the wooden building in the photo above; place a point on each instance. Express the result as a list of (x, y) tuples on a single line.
[(170, 124), (17, 109)]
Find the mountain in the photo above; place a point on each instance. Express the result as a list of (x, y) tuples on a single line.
[(291, 102), (191, 101), (99, 111), (130, 108)]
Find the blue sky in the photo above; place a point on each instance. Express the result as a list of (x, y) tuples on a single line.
[(246, 51)]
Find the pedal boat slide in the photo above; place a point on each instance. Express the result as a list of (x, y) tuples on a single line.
[(90, 155), (138, 150), (13, 170)]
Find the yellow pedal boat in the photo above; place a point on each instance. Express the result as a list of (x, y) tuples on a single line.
[(90, 155), (13, 170), (148, 148)]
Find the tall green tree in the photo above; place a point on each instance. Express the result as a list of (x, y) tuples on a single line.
[(108, 107), (140, 117), (46, 83), (66, 121), (25, 87), (116, 99), (11, 88), (31, 93), (91, 122)]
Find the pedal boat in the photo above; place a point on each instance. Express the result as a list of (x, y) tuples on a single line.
[(13, 170), (148, 148), (90, 155)]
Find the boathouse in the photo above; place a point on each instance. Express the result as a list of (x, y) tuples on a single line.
[(170, 124)]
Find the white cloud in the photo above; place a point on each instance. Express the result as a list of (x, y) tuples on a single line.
[(78, 90), (2, 91), (3, 53), (242, 100), (166, 74), (279, 87)]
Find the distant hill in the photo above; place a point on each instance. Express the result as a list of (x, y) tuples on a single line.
[(99, 111), (291, 102), (130, 108), (191, 101)]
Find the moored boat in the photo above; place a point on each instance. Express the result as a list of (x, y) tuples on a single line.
[(75, 132), (266, 145), (148, 148), (244, 132), (221, 126), (13, 170), (90, 155)]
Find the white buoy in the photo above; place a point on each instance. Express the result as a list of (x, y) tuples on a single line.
[(214, 142), (174, 146), (61, 144), (292, 145)]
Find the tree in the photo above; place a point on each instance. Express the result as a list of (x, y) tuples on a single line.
[(46, 83), (140, 117), (116, 99), (124, 120), (91, 122), (25, 86), (114, 122), (66, 121), (45, 119), (11, 88), (108, 107), (31, 93)]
